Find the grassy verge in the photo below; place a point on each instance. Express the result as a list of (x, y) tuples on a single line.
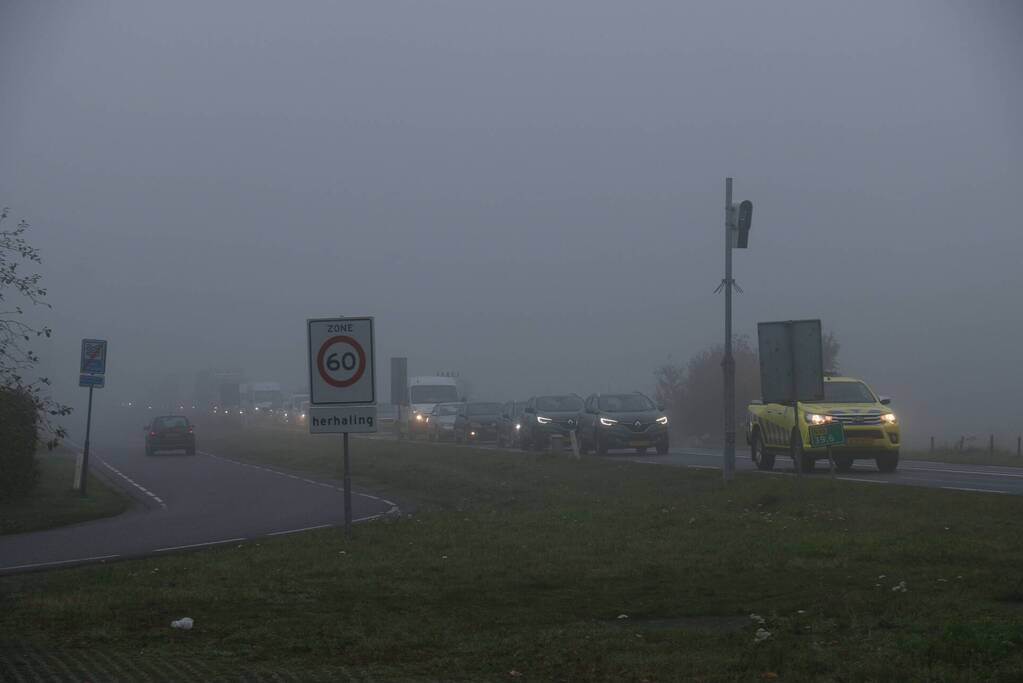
[(54, 504), (525, 563), (974, 457)]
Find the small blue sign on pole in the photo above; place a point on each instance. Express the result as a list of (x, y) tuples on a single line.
[(94, 357), (94, 381)]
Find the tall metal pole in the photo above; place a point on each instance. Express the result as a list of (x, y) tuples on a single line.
[(348, 491), (85, 449), (728, 362)]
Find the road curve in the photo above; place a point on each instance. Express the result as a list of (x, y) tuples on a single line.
[(187, 502)]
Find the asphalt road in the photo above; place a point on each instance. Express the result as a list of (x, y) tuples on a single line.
[(186, 502), (940, 475)]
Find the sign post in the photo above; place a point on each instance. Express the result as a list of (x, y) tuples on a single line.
[(93, 368), (342, 385)]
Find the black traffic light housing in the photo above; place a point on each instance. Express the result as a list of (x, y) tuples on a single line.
[(742, 224)]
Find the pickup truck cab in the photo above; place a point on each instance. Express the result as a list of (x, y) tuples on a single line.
[(871, 428)]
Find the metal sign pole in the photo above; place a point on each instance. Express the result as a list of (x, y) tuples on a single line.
[(85, 449), (348, 490), (728, 362)]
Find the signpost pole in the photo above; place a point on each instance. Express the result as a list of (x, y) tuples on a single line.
[(728, 362), (348, 490), (85, 448)]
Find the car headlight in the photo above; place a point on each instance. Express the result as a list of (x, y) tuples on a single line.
[(663, 420), (472, 433), (518, 427), (427, 420), (889, 418), (303, 416), (419, 417), (816, 418), (543, 420), (607, 422)]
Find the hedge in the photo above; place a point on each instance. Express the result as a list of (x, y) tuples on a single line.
[(18, 438)]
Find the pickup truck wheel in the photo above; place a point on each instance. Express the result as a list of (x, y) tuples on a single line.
[(799, 458), (763, 461), (887, 462), (843, 463)]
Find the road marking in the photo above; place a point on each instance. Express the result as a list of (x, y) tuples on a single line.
[(59, 562), (702, 467), (295, 531), (977, 472), (134, 483), (868, 481), (960, 488), (198, 545)]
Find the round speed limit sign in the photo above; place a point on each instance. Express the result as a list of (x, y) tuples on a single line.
[(341, 361)]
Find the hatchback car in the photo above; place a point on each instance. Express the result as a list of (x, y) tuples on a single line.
[(477, 421), (170, 433), (620, 421), (440, 422), (510, 425)]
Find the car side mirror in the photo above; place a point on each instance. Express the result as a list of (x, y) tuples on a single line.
[(660, 407), (886, 400)]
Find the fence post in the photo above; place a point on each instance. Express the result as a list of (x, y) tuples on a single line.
[(991, 445), (932, 444), (962, 443), (1019, 446)]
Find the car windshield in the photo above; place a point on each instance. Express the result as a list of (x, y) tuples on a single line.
[(555, 404), (171, 422), (625, 403), (483, 408), (848, 392), (430, 393), (446, 409)]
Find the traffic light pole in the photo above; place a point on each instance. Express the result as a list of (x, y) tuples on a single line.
[(728, 362)]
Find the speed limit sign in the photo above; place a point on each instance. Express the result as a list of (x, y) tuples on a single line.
[(341, 361)]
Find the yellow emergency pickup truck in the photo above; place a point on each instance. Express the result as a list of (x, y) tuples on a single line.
[(871, 428)]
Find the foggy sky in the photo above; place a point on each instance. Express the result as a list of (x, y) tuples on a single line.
[(528, 193)]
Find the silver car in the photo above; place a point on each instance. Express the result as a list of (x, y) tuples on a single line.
[(440, 425)]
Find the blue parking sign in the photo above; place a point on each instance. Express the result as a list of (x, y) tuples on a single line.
[(94, 357)]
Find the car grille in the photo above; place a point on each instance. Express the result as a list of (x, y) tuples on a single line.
[(858, 419), (865, 434), (638, 426)]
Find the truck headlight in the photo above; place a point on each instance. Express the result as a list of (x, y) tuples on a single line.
[(889, 418), (662, 420), (816, 418), (607, 422), (543, 420), (419, 417)]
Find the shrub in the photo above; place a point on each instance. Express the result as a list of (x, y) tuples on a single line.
[(18, 439)]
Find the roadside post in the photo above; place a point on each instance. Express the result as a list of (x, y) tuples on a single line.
[(399, 392), (737, 225), (92, 374), (827, 435), (791, 367), (342, 385)]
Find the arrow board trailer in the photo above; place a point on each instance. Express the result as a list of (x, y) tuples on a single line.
[(341, 361)]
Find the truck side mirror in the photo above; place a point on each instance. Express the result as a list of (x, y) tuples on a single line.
[(886, 400)]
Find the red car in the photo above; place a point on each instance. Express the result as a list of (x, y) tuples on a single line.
[(170, 433)]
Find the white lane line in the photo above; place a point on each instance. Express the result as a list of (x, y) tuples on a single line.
[(134, 483), (977, 472), (702, 467), (198, 545), (961, 488), (867, 481), (59, 562), (295, 531)]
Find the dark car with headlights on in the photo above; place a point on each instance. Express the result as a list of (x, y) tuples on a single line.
[(510, 425), (170, 433), (623, 421), (440, 423), (547, 416), (477, 421)]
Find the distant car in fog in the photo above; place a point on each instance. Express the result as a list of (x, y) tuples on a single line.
[(619, 421), (547, 416), (440, 422), (170, 433), (510, 424), (477, 421)]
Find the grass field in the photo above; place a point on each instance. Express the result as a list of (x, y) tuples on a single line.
[(537, 567), (53, 503)]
